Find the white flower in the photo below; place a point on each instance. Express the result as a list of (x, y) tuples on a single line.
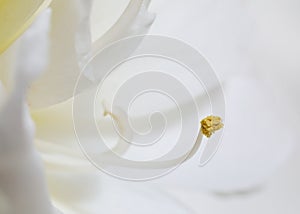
[(73, 185)]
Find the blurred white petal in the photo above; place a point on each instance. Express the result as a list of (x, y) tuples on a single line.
[(57, 82), (33, 48), (7, 66), (133, 20), (70, 43), (125, 18), (92, 193), (16, 17), (25, 193)]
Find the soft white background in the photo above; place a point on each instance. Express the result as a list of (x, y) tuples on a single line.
[(247, 38)]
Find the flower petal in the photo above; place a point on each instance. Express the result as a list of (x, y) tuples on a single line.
[(135, 20), (21, 171), (92, 193), (57, 82), (15, 17), (68, 52)]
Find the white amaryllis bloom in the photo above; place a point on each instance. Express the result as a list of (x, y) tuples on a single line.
[(74, 186), (54, 50), (38, 75)]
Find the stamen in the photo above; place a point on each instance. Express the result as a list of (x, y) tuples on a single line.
[(211, 124)]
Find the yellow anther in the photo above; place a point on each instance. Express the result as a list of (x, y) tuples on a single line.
[(211, 124)]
